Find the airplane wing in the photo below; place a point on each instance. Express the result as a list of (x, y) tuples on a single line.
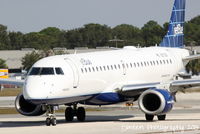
[(192, 57), (136, 89), (139, 86), (180, 85), (174, 86), (12, 82)]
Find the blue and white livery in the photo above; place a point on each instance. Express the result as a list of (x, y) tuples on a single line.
[(175, 36), (102, 78)]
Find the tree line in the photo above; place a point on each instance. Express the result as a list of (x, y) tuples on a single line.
[(92, 36), (95, 35)]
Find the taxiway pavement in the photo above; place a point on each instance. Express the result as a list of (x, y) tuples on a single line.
[(184, 118)]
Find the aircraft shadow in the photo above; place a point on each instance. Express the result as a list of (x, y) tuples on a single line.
[(89, 119)]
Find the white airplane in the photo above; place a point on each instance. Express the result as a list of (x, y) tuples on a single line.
[(102, 78)]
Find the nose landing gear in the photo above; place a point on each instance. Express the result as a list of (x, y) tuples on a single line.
[(51, 117)]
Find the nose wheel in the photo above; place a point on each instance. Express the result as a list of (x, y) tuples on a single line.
[(51, 121), (51, 118)]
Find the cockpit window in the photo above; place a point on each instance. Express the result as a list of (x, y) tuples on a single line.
[(42, 71), (47, 71), (59, 71), (35, 71)]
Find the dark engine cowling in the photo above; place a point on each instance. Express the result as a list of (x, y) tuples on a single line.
[(156, 101), (26, 108)]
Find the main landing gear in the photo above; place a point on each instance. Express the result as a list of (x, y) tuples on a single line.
[(150, 117), (71, 112)]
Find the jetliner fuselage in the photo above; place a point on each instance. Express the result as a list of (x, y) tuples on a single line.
[(94, 78)]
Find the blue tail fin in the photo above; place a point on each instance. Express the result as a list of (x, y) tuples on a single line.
[(175, 36)]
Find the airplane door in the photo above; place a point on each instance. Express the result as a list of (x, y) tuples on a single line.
[(75, 72), (123, 67)]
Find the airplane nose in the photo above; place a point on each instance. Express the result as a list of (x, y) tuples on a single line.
[(34, 89)]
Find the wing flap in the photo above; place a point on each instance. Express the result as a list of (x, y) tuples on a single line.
[(139, 86), (180, 85), (136, 89), (192, 57)]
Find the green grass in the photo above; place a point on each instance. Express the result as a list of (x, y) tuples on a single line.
[(12, 110), (192, 90), (4, 110), (10, 91)]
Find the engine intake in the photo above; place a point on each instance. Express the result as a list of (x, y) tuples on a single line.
[(27, 108), (156, 101)]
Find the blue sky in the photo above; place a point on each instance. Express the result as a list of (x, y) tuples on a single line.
[(34, 15)]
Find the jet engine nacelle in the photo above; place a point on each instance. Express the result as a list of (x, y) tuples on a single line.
[(26, 108), (156, 101)]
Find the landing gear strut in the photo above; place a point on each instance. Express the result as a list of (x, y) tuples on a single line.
[(71, 112), (51, 118)]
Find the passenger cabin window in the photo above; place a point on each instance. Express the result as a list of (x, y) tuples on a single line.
[(164, 61), (104, 68), (115, 66), (170, 61), (127, 65), (145, 64), (131, 65), (111, 67), (100, 68), (59, 71), (108, 67), (93, 69), (118, 66)]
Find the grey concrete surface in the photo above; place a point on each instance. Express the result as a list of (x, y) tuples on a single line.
[(7, 101), (117, 119), (106, 122)]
